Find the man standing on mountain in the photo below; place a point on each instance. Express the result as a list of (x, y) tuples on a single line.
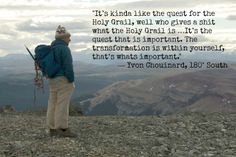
[(61, 86)]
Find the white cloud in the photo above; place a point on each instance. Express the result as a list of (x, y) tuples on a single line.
[(3, 53), (37, 26), (34, 21), (231, 17)]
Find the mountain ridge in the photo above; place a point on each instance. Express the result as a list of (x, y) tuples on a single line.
[(191, 91)]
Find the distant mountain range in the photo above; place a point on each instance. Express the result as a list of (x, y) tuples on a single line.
[(108, 89), (17, 85), (207, 91)]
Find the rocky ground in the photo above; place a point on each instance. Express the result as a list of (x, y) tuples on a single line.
[(184, 135)]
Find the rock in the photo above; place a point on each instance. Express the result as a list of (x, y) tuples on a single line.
[(185, 134), (16, 145), (7, 109)]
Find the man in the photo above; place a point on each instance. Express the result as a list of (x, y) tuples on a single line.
[(61, 86)]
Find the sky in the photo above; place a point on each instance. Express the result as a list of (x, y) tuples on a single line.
[(30, 22)]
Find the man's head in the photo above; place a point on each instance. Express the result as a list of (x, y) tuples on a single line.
[(63, 34)]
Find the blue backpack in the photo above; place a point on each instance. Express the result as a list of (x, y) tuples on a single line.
[(45, 59)]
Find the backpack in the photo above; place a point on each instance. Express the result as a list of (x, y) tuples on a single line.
[(45, 60)]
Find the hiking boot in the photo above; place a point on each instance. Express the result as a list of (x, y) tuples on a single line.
[(66, 133)]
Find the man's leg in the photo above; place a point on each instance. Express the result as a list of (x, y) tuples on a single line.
[(63, 101), (51, 107)]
